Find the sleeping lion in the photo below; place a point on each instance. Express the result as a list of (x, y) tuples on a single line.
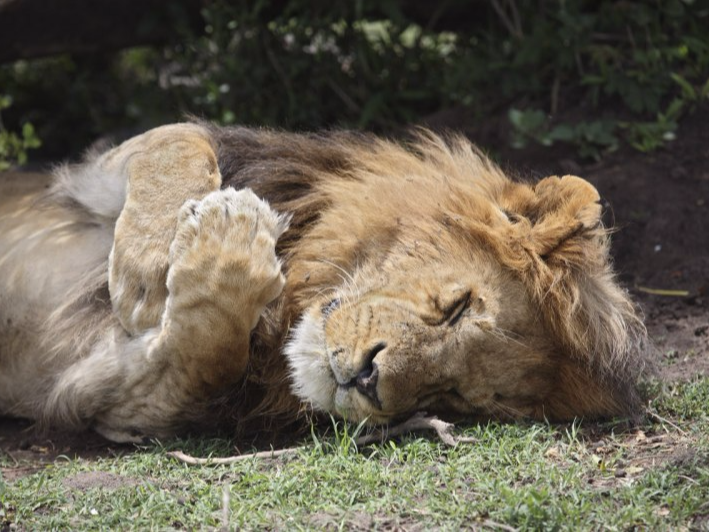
[(197, 277)]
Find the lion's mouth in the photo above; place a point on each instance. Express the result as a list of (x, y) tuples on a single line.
[(366, 385)]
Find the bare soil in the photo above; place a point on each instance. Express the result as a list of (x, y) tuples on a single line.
[(659, 204)]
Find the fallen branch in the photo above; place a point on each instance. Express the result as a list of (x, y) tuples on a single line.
[(186, 458), (499, 526), (662, 292), (667, 421), (417, 422)]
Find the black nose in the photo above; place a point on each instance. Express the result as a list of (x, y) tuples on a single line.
[(366, 380)]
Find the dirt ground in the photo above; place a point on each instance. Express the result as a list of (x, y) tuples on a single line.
[(659, 204)]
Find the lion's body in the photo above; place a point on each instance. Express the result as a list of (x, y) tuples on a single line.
[(45, 249), (416, 277)]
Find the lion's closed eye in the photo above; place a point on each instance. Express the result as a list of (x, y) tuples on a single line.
[(456, 310)]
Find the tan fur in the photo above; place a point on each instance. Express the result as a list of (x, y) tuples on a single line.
[(417, 276), (164, 168)]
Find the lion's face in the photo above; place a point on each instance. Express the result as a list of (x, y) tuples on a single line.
[(422, 332), (461, 293)]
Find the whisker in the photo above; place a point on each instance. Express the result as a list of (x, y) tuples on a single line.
[(340, 268), (349, 283), (507, 336), (325, 290)]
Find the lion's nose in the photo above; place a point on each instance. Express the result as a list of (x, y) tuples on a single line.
[(366, 380)]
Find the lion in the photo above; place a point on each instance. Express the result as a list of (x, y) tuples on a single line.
[(197, 277)]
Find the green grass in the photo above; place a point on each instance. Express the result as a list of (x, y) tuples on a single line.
[(526, 476)]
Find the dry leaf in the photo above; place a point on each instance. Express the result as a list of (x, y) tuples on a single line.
[(553, 452)]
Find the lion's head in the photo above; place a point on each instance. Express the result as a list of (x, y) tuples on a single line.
[(431, 281)]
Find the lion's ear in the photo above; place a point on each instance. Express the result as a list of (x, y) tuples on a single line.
[(567, 215)]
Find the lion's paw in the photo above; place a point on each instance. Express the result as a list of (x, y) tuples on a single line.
[(224, 255)]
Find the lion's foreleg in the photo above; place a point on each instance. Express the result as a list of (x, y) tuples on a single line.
[(164, 167), (191, 270), (223, 271)]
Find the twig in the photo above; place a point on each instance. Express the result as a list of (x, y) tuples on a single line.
[(8, 453), (515, 18), (689, 479), (579, 64), (419, 421), (663, 420), (631, 37), (554, 106), (186, 458), (226, 499), (349, 102), (662, 291), (278, 68), (511, 27), (494, 524)]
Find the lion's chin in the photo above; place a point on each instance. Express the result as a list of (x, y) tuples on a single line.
[(311, 375), (353, 407)]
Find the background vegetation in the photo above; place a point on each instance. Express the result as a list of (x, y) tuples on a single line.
[(637, 67)]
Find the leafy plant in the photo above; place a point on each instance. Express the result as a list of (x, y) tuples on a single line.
[(630, 61), (595, 138), (14, 146), (530, 124), (306, 68), (592, 139), (648, 136), (372, 64)]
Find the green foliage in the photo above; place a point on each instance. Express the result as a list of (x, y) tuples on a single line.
[(592, 139), (74, 100), (304, 69), (13, 146), (648, 136), (630, 61), (530, 124), (368, 64)]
